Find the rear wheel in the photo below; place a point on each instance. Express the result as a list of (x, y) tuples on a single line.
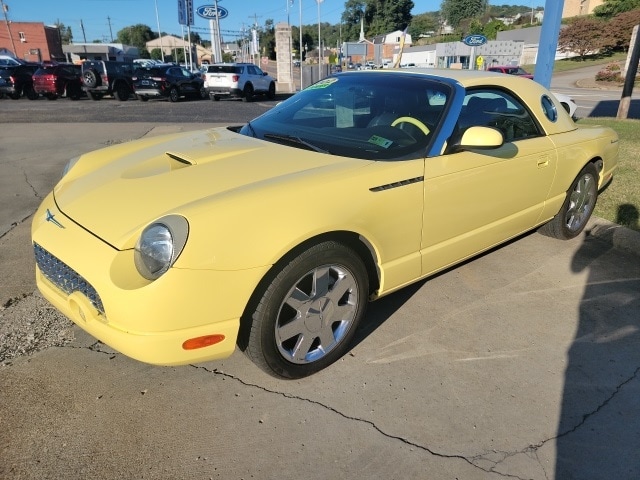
[(121, 92), (308, 312), (247, 93), (51, 96), (142, 98), (203, 93), (73, 91), (174, 94), (577, 207)]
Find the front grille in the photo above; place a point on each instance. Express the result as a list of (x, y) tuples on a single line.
[(65, 277)]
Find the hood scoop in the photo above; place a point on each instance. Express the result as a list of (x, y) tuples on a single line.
[(168, 162)]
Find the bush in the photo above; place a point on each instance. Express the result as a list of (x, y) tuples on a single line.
[(611, 73)]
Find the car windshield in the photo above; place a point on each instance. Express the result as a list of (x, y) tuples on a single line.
[(368, 115)]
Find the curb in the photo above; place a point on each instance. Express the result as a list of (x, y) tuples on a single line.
[(620, 237)]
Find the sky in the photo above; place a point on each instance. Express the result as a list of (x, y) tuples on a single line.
[(102, 19)]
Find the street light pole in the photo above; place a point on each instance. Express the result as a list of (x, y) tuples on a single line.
[(320, 53), (5, 9), (159, 32)]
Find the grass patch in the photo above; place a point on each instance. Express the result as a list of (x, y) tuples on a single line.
[(574, 63), (620, 203)]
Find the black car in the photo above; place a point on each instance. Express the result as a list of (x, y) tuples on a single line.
[(101, 78), (15, 80), (167, 81)]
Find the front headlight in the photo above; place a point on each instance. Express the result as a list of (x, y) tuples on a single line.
[(160, 245)]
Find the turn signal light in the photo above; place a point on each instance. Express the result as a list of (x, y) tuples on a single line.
[(201, 342)]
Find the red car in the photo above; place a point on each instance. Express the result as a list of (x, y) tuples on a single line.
[(511, 70), (58, 80)]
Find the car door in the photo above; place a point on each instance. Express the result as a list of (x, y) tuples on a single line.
[(257, 78), (476, 199)]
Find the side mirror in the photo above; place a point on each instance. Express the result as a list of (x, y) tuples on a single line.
[(480, 137)]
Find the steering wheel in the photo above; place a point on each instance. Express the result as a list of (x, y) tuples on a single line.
[(413, 121)]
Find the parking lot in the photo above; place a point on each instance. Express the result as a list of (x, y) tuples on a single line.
[(522, 363)]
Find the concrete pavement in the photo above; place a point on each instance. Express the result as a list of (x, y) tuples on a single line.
[(522, 363)]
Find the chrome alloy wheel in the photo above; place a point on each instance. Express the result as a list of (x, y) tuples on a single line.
[(316, 314), (581, 202)]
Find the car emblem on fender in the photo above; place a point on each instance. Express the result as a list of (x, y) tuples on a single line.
[(50, 218)]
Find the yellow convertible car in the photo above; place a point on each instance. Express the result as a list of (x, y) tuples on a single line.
[(274, 235)]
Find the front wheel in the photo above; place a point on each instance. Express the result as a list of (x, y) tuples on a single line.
[(307, 314), (271, 93), (577, 207)]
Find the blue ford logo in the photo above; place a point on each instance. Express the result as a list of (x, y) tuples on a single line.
[(475, 40), (210, 12)]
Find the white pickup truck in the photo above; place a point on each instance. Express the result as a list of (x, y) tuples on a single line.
[(237, 80)]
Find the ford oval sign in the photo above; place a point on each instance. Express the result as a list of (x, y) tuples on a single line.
[(209, 12), (475, 40)]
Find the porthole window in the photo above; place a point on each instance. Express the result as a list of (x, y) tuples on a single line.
[(549, 108)]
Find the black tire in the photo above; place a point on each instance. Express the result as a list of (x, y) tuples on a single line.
[(306, 315), (51, 96), (271, 93), (215, 98), (15, 95), (30, 93), (73, 91), (203, 93), (121, 92), (91, 78), (95, 96), (174, 94), (577, 207), (247, 93), (142, 98)]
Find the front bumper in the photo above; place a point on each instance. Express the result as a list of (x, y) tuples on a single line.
[(148, 321)]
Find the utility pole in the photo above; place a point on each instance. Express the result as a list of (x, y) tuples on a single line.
[(5, 9), (110, 30)]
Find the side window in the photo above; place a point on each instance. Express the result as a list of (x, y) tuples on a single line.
[(497, 109), (251, 70)]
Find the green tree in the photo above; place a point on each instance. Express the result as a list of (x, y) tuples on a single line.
[(454, 11), (423, 24), (66, 35), (611, 8), (136, 36), (380, 17)]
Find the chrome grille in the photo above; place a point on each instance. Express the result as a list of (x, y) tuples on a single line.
[(65, 277)]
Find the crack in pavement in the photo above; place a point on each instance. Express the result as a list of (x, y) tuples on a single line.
[(360, 420)]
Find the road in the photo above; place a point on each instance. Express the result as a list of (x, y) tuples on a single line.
[(522, 363)]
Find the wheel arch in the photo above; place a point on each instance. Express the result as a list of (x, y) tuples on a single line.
[(363, 248)]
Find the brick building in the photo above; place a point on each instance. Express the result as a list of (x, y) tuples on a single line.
[(32, 41)]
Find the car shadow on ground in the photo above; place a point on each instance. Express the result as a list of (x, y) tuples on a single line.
[(609, 108)]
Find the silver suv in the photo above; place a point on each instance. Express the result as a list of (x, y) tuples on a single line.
[(237, 80)]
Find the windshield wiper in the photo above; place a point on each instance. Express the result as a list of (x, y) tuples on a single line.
[(296, 141)]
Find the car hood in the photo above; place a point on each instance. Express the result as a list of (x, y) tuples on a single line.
[(117, 191)]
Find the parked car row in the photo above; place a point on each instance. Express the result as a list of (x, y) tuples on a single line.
[(98, 78)]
